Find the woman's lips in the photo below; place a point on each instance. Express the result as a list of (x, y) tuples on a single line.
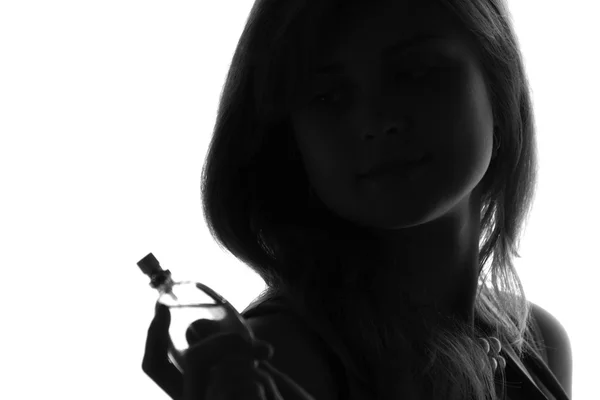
[(401, 166)]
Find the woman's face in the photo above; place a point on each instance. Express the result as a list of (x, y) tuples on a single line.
[(382, 103)]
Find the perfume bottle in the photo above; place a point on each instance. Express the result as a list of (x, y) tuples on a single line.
[(188, 303)]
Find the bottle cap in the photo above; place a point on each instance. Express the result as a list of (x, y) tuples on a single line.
[(149, 265)]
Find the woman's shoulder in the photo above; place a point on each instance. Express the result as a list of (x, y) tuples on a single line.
[(296, 353), (557, 344)]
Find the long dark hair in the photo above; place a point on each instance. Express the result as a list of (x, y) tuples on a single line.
[(256, 194)]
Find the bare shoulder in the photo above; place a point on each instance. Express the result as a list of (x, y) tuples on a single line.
[(558, 346), (296, 353)]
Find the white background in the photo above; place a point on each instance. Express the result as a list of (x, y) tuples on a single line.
[(106, 111)]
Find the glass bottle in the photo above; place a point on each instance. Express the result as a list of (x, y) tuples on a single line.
[(189, 302)]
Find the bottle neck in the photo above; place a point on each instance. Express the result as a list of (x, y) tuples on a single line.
[(161, 280)]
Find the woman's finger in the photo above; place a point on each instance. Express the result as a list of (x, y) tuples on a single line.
[(231, 383), (221, 353), (288, 389), (271, 390), (201, 329), (156, 363), (249, 387)]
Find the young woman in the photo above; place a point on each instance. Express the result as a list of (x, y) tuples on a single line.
[(374, 162)]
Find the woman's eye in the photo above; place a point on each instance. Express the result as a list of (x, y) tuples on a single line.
[(420, 73), (327, 97), (322, 98)]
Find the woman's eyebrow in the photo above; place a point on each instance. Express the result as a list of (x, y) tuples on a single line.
[(337, 67), (404, 43)]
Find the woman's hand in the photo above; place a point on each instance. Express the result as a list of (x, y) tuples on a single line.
[(218, 365)]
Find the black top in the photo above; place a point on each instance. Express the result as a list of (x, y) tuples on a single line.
[(527, 378)]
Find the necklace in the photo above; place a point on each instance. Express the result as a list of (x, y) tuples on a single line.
[(492, 348)]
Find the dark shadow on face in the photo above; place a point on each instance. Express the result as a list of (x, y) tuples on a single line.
[(395, 80)]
